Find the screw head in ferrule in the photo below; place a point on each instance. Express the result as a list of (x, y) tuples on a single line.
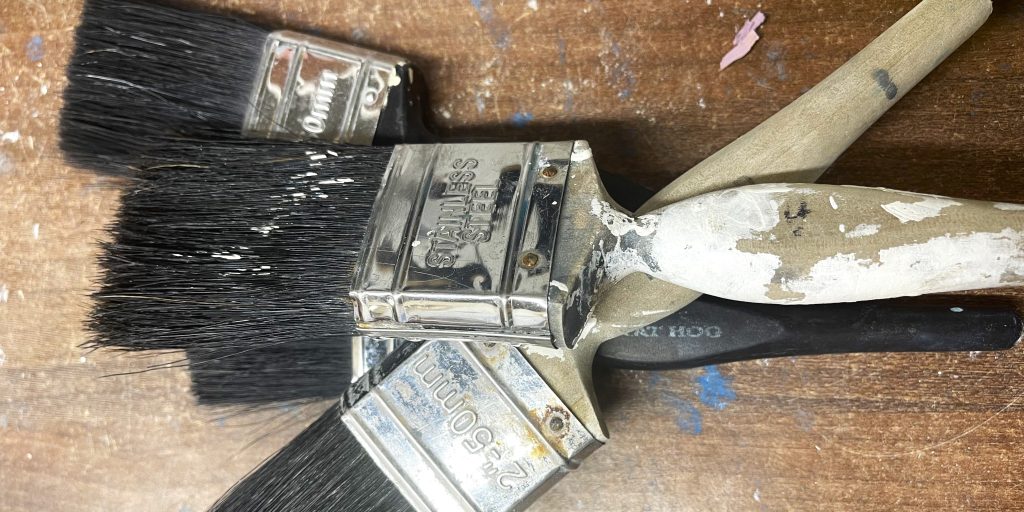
[(529, 260)]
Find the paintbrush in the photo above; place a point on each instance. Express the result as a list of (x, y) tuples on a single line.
[(142, 69), (233, 247)]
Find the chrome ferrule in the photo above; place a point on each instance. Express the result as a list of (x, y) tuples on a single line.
[(465, 426), (461, 244), (313, 88)]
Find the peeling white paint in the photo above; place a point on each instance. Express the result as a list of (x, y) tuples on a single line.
[(618, 223), (942, 264), (581, 152), (14, 136), (1009, 207), (560, 285), (929, 206), (695, 244), (864, 230)]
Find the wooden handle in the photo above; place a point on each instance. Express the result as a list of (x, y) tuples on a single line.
[(820, 244), (799, 142)]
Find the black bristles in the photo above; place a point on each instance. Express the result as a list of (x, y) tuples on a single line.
[(323, 469), (295, 372), (241, 251), (141, 69)]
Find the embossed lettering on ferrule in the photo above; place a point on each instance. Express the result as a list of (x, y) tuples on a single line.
[(312, 88), (316, 122), (466, 213), (463, 422)]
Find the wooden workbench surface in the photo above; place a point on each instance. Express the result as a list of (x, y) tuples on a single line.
[(640, 80)]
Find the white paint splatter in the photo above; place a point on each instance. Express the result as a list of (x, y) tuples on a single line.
[(757, 495), (1009, 207), (5, 294), (864, 230), (618, 223), (3, 356), (581, 152), (701, 103), (832, 202), (560, 285), (957, 310), (14, 136), (842, 228), (941, 264), (929, 206), (533, 5), (35, 231), (227, 256), (337, 181), (264, 230), (82, 360), (974, 354), (43, 89)]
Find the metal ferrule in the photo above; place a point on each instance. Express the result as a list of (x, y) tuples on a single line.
[(313, 88), (370, 351), (461, 245), (465, 426)]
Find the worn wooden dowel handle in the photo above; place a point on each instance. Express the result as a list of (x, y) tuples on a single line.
[(799, 142), (821, 244)]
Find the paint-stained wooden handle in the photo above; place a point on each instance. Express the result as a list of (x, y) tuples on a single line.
[(799, 142), (820, 244)]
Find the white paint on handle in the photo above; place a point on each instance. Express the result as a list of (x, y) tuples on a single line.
[(942, 264), (696, 241), (864, 230), (929, 206)]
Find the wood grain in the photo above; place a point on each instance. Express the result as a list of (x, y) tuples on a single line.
[(638, 79)]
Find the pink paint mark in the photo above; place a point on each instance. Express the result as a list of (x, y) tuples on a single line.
[(744, 41)]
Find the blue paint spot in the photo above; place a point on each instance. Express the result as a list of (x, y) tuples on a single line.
[(715, 389), (688, 417), (34, 50), (620, 70), (493, 24), (521, 119)]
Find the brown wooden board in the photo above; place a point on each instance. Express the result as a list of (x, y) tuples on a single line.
[(638, 79)]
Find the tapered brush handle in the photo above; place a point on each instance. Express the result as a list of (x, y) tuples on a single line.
[(716, 331), (819, 244), (799, 142)]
